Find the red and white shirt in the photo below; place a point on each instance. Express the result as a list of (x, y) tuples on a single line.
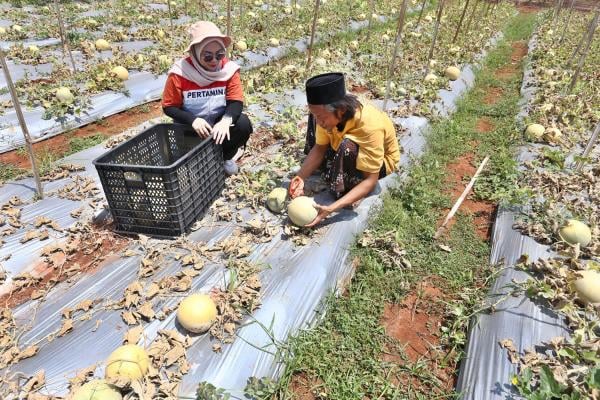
[(206, 102)]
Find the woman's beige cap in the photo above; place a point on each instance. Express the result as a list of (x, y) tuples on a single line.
[(203, 30)]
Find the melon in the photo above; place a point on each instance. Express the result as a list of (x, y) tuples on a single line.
[(241, 45), (575, 232), (321, 61), (164, 60), (431, 78), (432, 63), (354, 45), (120, 72), (97, 389), (17, 28), (250, 14), (161, 33), (64, 95), (33, 49), (197, 312), (301, 210), (321, 21), (454, 49), (552, 134), (362, 16), (588, 287), (452, 73), (2, 30), (428, 18), (102, 44), (274, 42), (276, 200), (129, 361), (385, 37), (325, 53), (534, 131)]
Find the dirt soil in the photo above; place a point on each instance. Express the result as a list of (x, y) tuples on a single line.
[(458, 174), (104, 247), (415, 324), (484, 125), (304, 387), (110, 126), (493, 95), (519, 51)]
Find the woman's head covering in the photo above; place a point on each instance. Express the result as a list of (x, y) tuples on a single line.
[(203, 30), (325, 88)]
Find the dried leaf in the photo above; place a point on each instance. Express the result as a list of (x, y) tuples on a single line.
[(129, 318), (133, 335), (67, 326), (146, 311)]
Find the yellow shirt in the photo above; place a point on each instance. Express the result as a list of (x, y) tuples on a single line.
[(374, 133)]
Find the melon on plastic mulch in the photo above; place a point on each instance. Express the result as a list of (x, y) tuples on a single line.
[(97, 389), (197, 312), (575, 232), (129, 361), (301, 210), (276, 200), (452, 73), (588, 287), (121, 73), (102, 44), (534, 131), (64, 95)]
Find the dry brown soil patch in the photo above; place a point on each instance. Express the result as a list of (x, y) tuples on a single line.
[(492, 95), (304, 387), (458, 175), (519, 51), (58, 145), (484, 125)]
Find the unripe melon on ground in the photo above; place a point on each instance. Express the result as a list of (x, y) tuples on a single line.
[(64, 95), (276, 200), (129, 361), (452, 73), (321, 61), (197, 312), (574, 232), (161, 34), (2, 30), (17, 28), (534, 131), (120, 72), (97, 389), (428, 18), (552, 135), (102, 45), (431, 77), (354, 44), (588, 286), (301, 210), (385, 37), (33, 48), (274, 42)]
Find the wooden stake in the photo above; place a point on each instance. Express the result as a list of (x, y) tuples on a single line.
[(585, 52), (170, 14), (588, 148), (229, 18), (64, 36), (17, 105), (462, 198), (395, 54), (564, 32), (462, 17), (371, 11), (312, 33), (421, 12), (185, 10), (471, 16), (438, 21)]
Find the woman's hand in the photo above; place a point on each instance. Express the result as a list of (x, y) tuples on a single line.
[(324, 212), (201, 127), (221, 130), (296, 187)]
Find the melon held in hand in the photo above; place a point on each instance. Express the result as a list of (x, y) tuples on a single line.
[(302, 211)]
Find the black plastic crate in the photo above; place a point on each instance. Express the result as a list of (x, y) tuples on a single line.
[(161, 181)]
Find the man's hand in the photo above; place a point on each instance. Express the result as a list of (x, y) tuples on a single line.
[(296, 187), (201, 127), (221, 130), (324, 212)]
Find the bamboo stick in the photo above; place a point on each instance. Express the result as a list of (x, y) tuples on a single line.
[(462, 17), (588, 148), (564, 32), (462, 198), (395, 53), (170, 14), (371, 11), (312, 33), (21, 118), (228, 17), (421, 13), (63, 35), (585, 52), (435, 33), (471, 16)]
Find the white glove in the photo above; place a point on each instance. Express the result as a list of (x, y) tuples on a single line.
[(201, 127), (221, 130)]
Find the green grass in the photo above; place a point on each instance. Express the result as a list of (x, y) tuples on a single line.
[(77, 144), (343, 355)]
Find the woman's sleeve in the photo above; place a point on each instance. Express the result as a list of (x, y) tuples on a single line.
[(179, 115), (172, 93), (233, 109), (234, 88)]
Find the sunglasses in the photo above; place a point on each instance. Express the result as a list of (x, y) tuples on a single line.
[(208, 57)]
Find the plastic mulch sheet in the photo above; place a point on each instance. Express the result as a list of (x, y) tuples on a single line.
[(293, 287)]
